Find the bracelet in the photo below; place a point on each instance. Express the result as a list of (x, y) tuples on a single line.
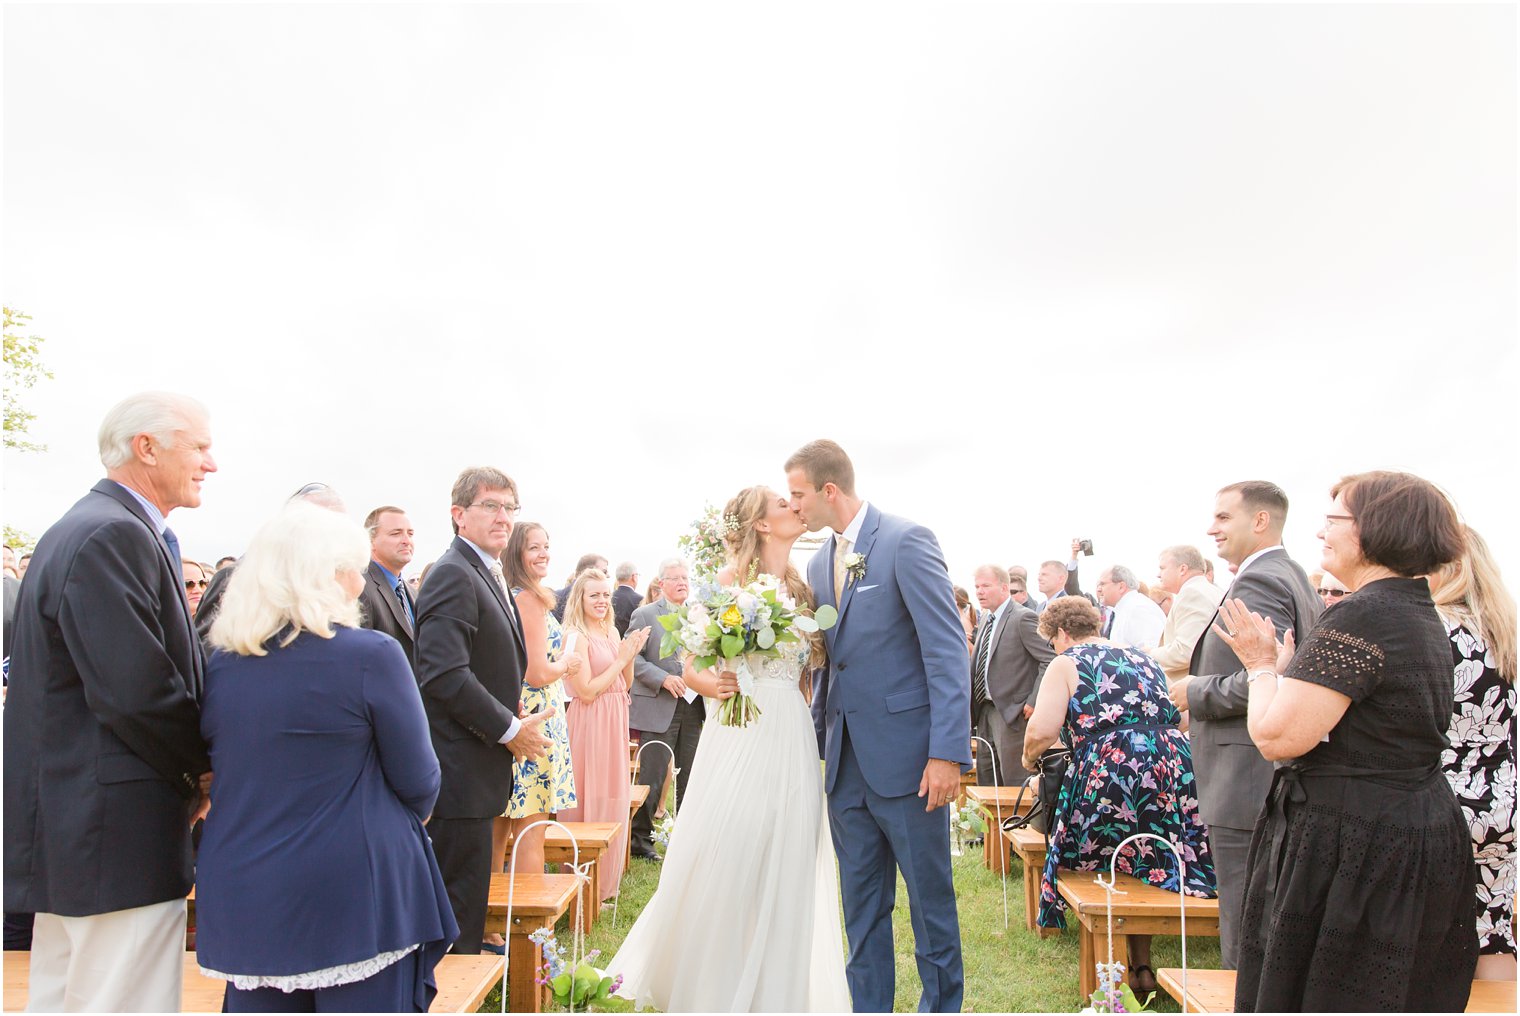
[(1260, 672)]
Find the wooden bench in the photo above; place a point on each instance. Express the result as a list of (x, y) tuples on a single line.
[(998, 802), (1029, 846), (540, 901), (1141, 909), (637, 795), (594, 839), (1214, 991), (463, 983)]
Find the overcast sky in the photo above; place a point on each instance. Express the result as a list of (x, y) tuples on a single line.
[(1044, 271)]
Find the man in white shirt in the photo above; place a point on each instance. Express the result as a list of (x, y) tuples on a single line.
[(1181, 573), (1137, 619)]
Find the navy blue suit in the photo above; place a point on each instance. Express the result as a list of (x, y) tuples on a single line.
[(314, 852), (897, 692)]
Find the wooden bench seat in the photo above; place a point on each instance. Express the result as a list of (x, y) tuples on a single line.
[(999, 803), (1141, 909), (539, 902), (463, 983), (593, 839), (1214, 991)]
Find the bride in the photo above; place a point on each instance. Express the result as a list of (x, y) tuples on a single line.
[(746, 916)]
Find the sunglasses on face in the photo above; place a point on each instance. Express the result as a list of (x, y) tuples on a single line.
[(1334, 594), (193, 584)]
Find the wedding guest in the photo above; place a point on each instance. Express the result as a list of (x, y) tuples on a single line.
[(545, 785), (586, 561), (316, 885), (387, 602), (1479, 613), (1136, 620), (22, 564), (658, 709), (969, 615), (10, 564), (625, 598), (225, 562), (598, 716), (1195, 598), (1330, 589), (103, 748), (195, 582), (1109, 705), (1360, 729), (1009, 657), (652, 594), (1018, 588), (1057, 580)]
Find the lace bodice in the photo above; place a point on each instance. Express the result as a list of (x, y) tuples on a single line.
[(787, 667)]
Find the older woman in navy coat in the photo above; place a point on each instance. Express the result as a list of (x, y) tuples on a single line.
[(317, 889)]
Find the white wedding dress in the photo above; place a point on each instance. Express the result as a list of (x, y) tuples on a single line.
[(746, 916)]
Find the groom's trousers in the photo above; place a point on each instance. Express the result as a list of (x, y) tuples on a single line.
[(874, 836)]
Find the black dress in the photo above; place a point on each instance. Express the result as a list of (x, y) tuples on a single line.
[(1359, 880)]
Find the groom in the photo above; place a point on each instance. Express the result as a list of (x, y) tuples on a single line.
[(893, 719)]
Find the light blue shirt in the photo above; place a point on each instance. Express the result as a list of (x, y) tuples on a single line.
[(156, 516), (393, 580)]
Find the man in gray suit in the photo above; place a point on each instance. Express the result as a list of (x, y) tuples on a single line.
[(1009, 660), (658, 706), (1233, 778)]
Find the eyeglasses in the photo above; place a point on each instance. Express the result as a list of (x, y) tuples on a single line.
[(191, 584), (497, 507), (1331, 520), (1334, 594)]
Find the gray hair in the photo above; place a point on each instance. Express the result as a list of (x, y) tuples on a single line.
[(669, 563), (627, 570), (1188, 556), (288, 579), (1119, 573), (157, 414)]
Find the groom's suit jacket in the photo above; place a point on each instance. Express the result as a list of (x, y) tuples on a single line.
[(898, 676)]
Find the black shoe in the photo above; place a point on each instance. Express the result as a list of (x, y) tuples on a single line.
[(648, 855)]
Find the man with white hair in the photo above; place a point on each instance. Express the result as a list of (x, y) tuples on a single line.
[(103, 751), (1137, 620), (660, 709), (1181, 573)]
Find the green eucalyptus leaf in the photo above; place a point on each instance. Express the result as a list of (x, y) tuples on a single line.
[(765, 638), (826, 616)]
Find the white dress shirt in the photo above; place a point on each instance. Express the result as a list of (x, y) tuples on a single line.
[(489, 560), (1137, 620)]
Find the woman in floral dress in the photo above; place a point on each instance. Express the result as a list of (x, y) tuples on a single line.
[(543, 786), (1131, 769), (1480, 764)]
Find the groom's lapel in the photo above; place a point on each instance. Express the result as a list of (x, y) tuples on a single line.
[(863, 548)]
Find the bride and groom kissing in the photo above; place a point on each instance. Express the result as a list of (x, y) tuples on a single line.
[(746, 916)]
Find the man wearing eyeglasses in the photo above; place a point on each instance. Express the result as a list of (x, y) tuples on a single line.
[(471, 658), (1233, 777)]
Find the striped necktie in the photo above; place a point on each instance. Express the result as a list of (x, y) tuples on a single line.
[(841, 548), (979, 669)]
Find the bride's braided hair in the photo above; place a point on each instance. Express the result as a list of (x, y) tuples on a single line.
[(743, 544)]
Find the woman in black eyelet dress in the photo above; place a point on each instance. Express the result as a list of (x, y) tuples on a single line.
[(1372, 907)]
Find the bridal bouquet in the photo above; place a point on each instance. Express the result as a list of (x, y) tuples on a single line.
[(730, 623)]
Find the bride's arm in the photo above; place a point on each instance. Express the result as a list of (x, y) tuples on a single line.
[(710, 683)]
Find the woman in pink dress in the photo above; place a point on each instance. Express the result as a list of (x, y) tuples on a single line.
[(598, 716)]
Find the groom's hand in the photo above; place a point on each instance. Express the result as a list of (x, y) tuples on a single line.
[(941, 781)]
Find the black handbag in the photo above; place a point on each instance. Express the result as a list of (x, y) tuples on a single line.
[(1052, 773)]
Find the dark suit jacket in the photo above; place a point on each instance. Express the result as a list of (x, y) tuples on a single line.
[(102, 732), (381, 611), (560, 597), (470, 664), (1016, 662), (1233, 778), (625, 600), (211, 600)]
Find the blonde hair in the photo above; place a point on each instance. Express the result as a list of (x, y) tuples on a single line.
[(575, 609), (1469, 591), (743, 544), (288, 579)]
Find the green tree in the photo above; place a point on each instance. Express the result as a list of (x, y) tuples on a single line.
[(19, 541), (23, 369)]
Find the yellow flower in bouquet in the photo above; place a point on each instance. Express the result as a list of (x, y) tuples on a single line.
[(733, 617)]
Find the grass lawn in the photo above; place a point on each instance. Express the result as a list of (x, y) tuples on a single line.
[(1006, 971)]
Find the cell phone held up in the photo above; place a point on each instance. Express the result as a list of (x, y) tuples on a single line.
[(1085, 546)]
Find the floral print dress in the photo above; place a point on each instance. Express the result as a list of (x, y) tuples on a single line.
[(547, 785), (1131, 772), (1480, 766)]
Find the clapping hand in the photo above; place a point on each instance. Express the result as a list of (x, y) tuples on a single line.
[(1249, 635), (633, 643)]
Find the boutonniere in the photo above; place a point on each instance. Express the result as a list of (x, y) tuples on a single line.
[(855, 566)]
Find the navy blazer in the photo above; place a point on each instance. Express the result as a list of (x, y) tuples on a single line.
[(314, 852), (102, 733), (470, 660), (898, 676)]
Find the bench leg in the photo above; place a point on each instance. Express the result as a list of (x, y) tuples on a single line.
[(586, 907), (1031, 896), (523, 992), (1087, 973)]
